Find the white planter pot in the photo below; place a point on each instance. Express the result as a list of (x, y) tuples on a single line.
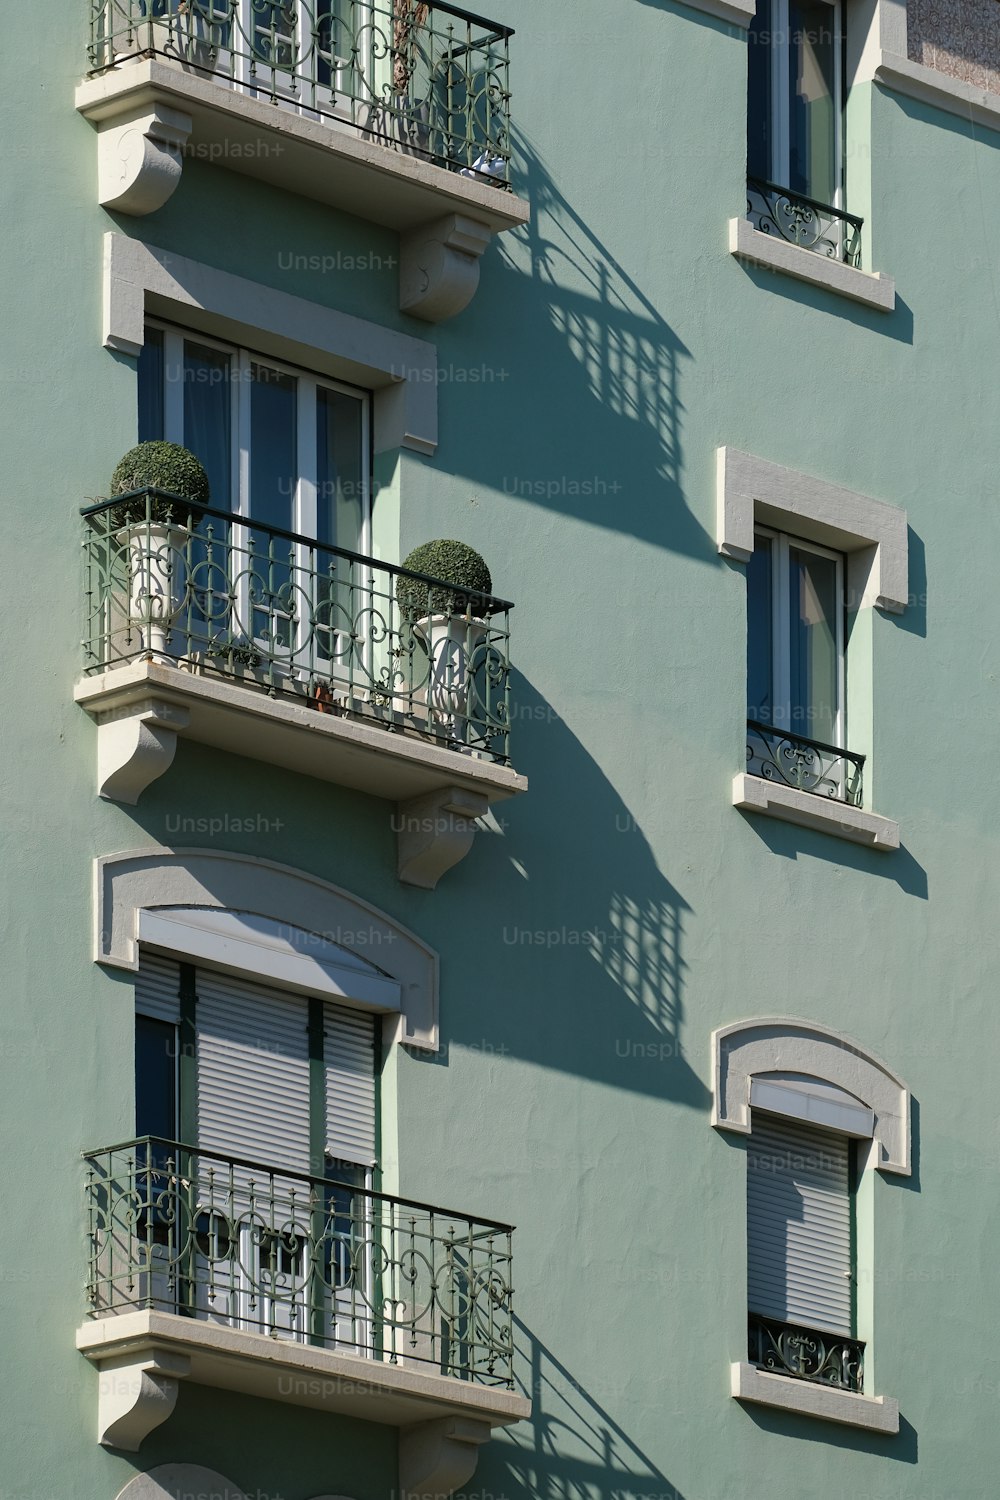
[(157, 572), (451, 641)]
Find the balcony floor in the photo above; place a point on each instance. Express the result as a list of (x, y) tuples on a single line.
[(366, 756), (328, 161), (397, 1395)]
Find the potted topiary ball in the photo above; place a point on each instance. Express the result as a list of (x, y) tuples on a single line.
[(450, 617), (163, 487)]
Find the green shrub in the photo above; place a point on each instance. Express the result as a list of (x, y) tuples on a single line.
[(453, 563), (158, 466)]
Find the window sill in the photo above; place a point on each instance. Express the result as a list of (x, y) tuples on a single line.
[(871, 288), (773, 800), (873, 1413)]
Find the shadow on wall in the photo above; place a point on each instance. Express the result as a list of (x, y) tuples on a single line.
[(588, 421), (578, 910), (570, 1446)]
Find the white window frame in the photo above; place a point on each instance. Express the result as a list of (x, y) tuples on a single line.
[(780, 102), (305, 499), (304, 506), (781, 637)]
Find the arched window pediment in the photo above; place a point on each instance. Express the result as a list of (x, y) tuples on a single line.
[(856, 1091), (268, 921)]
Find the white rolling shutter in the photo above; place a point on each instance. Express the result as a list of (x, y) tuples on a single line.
[(349, 1056), (799, 1225), (157, 988), (253, 1071)]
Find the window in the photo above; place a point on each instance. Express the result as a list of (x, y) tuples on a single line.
[(796, 711), (801, 1254), (795, 125), (288, 451), (823, 1119), (235, 1229), (280, 446)]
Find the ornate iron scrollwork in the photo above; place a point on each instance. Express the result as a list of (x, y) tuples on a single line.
[(804, 222), (807, 765), (806, 1353)]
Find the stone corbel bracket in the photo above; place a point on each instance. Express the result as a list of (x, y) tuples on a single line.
[(137, 1393), (439, 266), (135, 745), (139, 158), (434, 832), (436, 1458)]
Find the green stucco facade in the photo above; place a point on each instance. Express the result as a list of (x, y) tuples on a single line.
[(623, 908)]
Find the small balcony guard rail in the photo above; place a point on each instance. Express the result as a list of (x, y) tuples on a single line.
[(427, 79), (806, 1354), (296, 1257), (804, 222), (220, 594), (807, 765)]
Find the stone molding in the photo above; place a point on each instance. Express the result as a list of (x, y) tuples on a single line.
[(785, 1044), (400, 370), (137, 880)]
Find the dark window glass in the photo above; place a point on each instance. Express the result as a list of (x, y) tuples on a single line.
[(340, 478), (760, 647), (207, 377), (759, 149), (151, 387), (155, 1078)]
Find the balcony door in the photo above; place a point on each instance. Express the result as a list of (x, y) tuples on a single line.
[(796, 668), (289, 451), (232, 1227)]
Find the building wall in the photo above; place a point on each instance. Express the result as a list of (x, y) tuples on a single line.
[(957, 37), (624, 908)]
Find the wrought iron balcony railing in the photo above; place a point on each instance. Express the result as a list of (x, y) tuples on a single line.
[(807, 765), (295, 1257), (427, 79), (215, 593), (805, 1354), (804, 222)]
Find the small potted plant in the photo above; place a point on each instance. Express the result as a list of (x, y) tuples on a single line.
[(162, 487), (450, 618)]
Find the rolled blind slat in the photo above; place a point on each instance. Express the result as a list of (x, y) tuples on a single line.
[(349, 1057), (157, 988), (799, 1225), (253, 1072)]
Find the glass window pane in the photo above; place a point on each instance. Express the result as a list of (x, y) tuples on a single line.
[(760, 649), (812, 110), (759, 124), (274, 473), (208, 415), (340, 486), (274, 469), (814, 602), (150, 376), (155, 1078)]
